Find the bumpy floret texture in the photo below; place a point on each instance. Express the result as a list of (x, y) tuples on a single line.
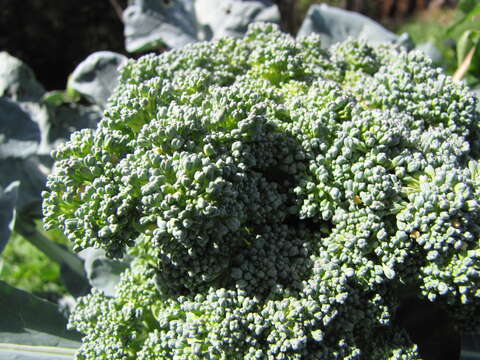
[(281, 201)]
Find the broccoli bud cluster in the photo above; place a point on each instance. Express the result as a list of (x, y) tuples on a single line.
[(281, 201)]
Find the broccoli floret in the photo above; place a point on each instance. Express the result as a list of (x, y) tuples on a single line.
[(281, 200)]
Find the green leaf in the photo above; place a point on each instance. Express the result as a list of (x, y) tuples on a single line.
[(58, 97), (429, 49), (27, 268), (8, 202), (29, 131), (57, 123), (475, 65), (465, 22), (21, 139), (31, 328), (467, 5), (465, 44), (72, 93)]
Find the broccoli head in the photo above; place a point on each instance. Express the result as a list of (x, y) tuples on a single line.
[(281, 201)]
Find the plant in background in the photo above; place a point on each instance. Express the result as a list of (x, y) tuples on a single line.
[(467, 30), (30, 269), (451, 38), (32, 123), (281, 202)]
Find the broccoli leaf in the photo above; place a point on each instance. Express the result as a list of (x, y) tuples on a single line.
[(231, 17), (17, 80), (97, 76), (150, 23), (19, 135), (335, 25), (32, 175), (103, 273), (20, 141), (29, 131), (429, 49), (68, 118), (31, 328)]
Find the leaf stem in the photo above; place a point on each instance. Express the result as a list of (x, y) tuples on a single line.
[(49, 247), (40, 350), (463, 68)]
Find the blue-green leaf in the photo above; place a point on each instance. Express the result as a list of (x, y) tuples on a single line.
[(335, 25), (429, 49), (65, 119), (32, 328), (32, 176), (17, 80), (150, 24), (97, 76), (232, 17), (19, 134), (103, 273)]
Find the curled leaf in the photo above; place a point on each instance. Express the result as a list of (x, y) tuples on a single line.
[(335, 25), (97, 76), (17, 80)]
